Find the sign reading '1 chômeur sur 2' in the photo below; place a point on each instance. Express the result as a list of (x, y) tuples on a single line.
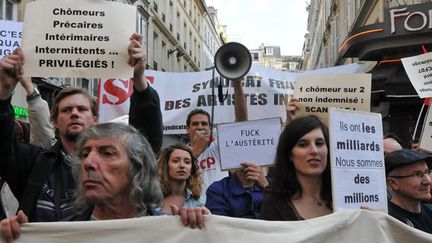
[(80, 38), (357, 160)]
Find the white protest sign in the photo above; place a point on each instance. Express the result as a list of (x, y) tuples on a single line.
[(357, 160), (81, 38), (419, 71), (10, 36), (318, 92), (426, 134), (249, 141)]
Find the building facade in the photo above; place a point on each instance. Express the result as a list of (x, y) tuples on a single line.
[(270, 57), (369, 32)]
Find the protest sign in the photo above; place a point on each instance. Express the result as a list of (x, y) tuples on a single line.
[(79, 38), (357, 160), (426, 134), (10, 36), (419, 71), (249, 141), (317, 93)]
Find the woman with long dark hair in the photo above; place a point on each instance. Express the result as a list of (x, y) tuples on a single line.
[(179, 177), (301, 182)]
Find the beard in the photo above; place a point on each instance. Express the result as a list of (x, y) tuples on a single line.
[(72, 137)]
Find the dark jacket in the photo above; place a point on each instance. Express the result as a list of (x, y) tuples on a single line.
[(146, 116), (25, 167)]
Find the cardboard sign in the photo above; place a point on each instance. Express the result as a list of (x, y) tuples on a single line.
[(357, 160), (426, 134), (317, 93), (80, 38), (419, 71), (250, 141), (10, 36)]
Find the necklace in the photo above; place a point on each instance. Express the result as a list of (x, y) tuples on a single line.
[(317, 202)]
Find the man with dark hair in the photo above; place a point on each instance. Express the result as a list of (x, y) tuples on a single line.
[(42, 180), (117, 178), (409, 177), (198, 127)]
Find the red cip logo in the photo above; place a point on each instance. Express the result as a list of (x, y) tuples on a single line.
[(207, 164)]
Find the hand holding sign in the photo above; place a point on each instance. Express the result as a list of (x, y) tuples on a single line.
[(292, 109), (255, 174), (138, 60), (10, 72)]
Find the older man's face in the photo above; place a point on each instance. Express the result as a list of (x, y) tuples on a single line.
[(412, 185), (104, 170)]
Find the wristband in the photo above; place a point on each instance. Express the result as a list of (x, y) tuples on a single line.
[(33, 95)]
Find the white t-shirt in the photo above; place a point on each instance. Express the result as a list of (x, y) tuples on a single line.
[(210, 169)]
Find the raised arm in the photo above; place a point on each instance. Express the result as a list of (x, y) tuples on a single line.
[(42, 131), (144, 112), (240, 107), (16, 159)]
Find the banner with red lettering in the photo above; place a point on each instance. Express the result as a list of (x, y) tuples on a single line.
[(266, 91), (113, 98)]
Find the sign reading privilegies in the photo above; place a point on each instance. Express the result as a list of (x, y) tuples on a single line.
[(79, 38)]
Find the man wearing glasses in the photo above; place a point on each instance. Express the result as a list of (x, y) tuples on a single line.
[(409, 177)]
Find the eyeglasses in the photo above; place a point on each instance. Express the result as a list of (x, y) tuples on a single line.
[(417, 175)]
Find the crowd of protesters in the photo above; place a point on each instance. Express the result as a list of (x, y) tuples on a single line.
[(75, 169)]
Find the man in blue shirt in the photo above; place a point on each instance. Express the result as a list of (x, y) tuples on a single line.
[(240, 194)]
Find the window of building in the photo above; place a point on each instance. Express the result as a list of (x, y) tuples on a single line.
[(255, 57), (334, 40), (155, 6), (8, 10), (269, 51), (164, 59), (155, 49), (85, 84)]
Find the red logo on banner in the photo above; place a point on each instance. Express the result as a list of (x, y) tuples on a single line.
[(116, 91)]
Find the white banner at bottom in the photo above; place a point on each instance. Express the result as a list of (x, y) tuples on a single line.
[(341, 226)]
